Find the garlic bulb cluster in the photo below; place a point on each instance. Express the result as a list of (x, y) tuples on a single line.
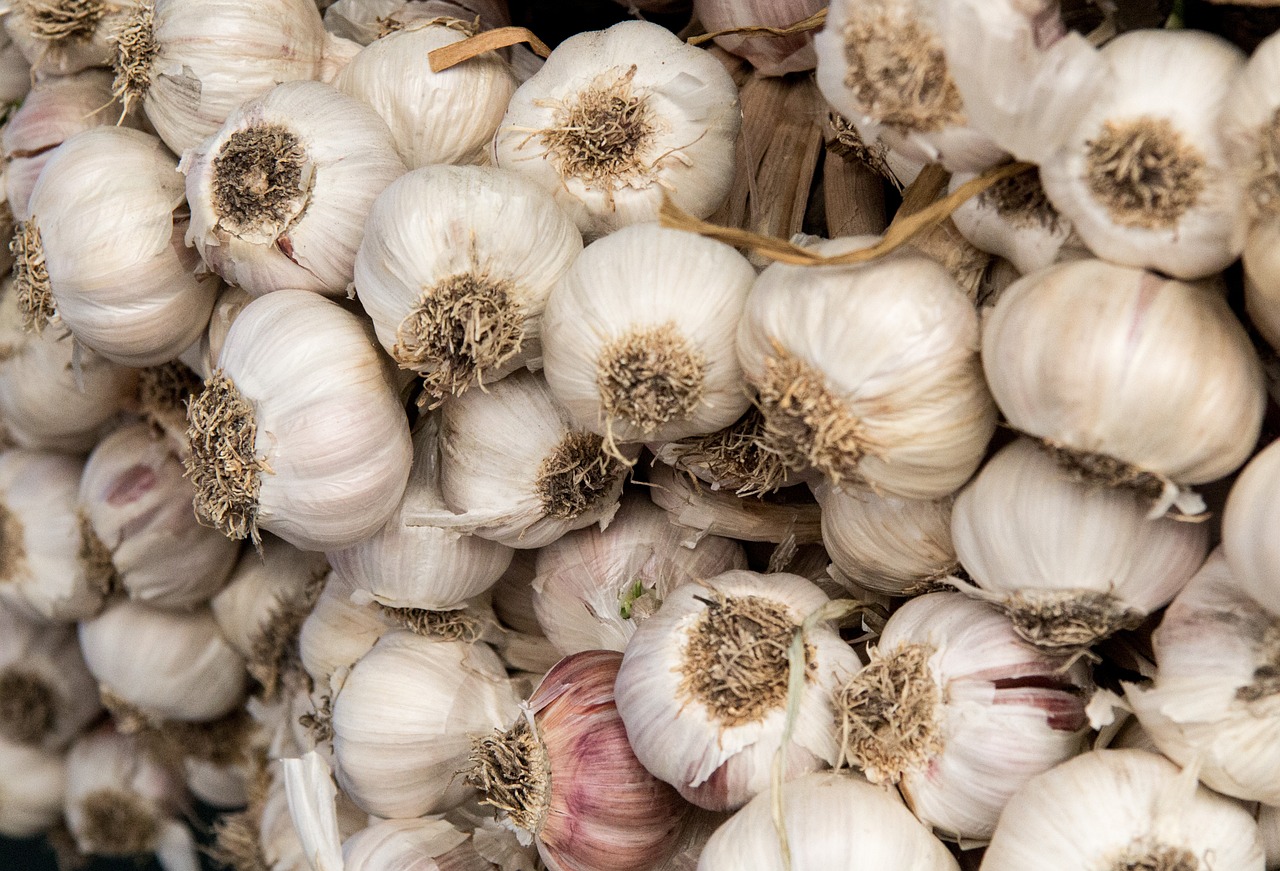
[(61, 37), (47, 695), (1104, 362), (769, 54), (593, 587), (300, 399), (519, 469), (32, 789), (1017, 530), (639, 335), (617, 119), (135, 510), (455, 269), (869, 373), (565, 775), (1122, 809), (703, 687), (280, 193), (444, 117), (112, 265), (960, 712)]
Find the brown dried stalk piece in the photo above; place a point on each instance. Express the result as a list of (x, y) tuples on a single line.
[(260, 181), (31, 277), (223, 465), (888, 714), (456, 625), (602, 134), (576, 475), (736, 457), (491, 40), (804, 25), (1058, 620), (117, 823), (28, 707), (650, 377), (136, 50), (513, 774), (1144, 172)]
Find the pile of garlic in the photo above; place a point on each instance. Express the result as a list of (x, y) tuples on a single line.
[(430, 455)]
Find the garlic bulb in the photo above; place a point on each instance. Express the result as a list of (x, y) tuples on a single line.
[(280, 193), (960, 712), (364, 21), (830, 819), (1015, 220), (881, 65), (703, 687), (403, 721), (1122, 809), (54, 395), (666, 115), (1214, 703), (61, 37), (887, 543), (190, 63), (565, 775), (47, 695), (112, 265), (519, 469), (339, 631), (770, 55), (454, 294), (298, 431), (593, 587), (1017, 531), (31, 790), (46, 568), (444, 117), (135, 511), (869, 373), (154, 665), (1103, 362), (1247, 528), (639, 335)]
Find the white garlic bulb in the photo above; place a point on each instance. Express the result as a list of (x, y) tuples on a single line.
[(135, 507), (769, 54), (830, 819), (617, 119), (960, 712), (1213, 706), (1104, 362), (403, 721), (455, 270), (190, 63), (703, 688), (154, 665), (339, 631), (639, 335), (444, 117), (1017, 531), (47, 695), (593, 587), (280, 193), (1248, 536), (298, 431), (1122, 809), (112, 265), (61, 37), (869, 373), (1015, 220), (31, 790), (519, 469)]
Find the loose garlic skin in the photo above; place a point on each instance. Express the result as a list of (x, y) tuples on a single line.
[(639, 335), (1248, 524), (707, 718), (1017, 530), (869, 373), (1103, 362), (47, 695), (444, 117), (31, 790), (1122, 809), (404, 718), (673, 116), (62, 38), (118, 274), (465, 251), (831, 819), (301, 399), (325, 157)]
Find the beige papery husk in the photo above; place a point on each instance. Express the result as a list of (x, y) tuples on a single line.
[(47, 695), (61, 37)]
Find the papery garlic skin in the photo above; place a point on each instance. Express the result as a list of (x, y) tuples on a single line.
[(1214, 704), (869, 373), (444, 117), (1105, 361), (325, 157), (223, 52), (829, 818), (769, 54), (1112, 807), (118, 273), (61, 38), (1015, 220), (639, 335), (47, 695), (1247, 528), (466, 251), (718, 750), (31, 790), (1017, 531), (674, 109), (302, 394), (403, 719), (163, 665), (593, 587)]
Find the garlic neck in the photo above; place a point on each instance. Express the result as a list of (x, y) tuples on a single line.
[(513, 774), (889, 714)]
